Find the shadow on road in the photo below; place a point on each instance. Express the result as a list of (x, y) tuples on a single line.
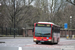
[(44, 43)]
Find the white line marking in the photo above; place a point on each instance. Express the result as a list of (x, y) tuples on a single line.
[(20, 48)]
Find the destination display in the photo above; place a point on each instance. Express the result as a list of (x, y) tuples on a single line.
[(43, 25)]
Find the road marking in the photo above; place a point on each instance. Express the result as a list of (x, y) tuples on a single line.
[(20, 48)]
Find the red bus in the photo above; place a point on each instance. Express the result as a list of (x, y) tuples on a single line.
[(46, 32)]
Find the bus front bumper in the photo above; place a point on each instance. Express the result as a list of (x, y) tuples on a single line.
[(35, 40)]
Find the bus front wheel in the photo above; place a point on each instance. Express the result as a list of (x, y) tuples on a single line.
[(36, 42)]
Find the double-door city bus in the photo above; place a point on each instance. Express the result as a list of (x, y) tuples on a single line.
[(46, 32)]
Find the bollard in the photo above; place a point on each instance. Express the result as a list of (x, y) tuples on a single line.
[(67, 36)]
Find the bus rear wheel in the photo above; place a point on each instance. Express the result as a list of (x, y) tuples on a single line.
[(56, 42)]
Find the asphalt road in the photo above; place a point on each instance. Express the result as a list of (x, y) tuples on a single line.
[(26, 43)]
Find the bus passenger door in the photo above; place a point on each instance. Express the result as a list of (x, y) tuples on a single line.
[(52, 31)]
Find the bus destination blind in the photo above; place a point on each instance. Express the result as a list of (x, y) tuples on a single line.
[(43, 25)]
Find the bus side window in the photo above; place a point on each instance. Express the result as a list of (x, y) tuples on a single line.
[(33, 30), (52, 28)]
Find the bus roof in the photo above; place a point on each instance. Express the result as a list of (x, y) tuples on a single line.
[(49, 23)]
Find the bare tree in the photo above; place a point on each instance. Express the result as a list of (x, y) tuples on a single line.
[(43, 10), (71, 1), (30, 1)]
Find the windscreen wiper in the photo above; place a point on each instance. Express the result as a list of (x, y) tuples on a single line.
[(47, 34)]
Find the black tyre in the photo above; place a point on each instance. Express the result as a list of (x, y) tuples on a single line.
[(36, 42), (56, 42)]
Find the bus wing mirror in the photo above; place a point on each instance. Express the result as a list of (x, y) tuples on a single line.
[(33, 30)]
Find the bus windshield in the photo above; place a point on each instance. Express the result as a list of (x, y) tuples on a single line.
[(42, 31)]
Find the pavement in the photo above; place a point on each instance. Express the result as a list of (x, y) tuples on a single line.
[(31, 37), (18, 37), (14, 38)]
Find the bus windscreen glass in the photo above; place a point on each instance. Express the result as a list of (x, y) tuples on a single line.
[(42, 30)]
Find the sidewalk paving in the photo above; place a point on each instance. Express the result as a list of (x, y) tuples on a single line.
[(15, 37), (20, 37)]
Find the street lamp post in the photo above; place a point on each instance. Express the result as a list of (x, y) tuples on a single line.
[(70, 25), (70, 22), (14, 18), (0, 5)]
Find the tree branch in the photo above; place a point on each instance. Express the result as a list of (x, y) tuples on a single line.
[(71, 2)]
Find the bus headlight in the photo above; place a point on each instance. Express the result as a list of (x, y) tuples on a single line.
[(35, 39), (49, 40)]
